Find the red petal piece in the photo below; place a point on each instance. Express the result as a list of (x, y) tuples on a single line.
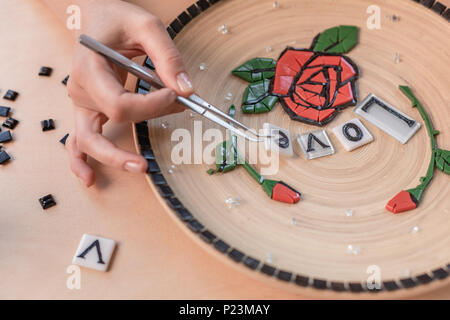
[(319, 78), (312, 114), (282, 84), (307, 73), (317, 101), (347, 70), (283, 193), (332, 60), (317, 88), (325, 114), (403, 201), (345, 95)]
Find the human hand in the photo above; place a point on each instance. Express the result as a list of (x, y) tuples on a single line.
[(96, 86)]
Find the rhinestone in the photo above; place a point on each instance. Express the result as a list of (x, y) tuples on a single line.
[(349, 212), (275, 4), (223, 29), (397, 58), (415, 229), (355, 250), (232, 202), (269, 49), (293, 222), (269, 258), (164, 125), (202, 66)]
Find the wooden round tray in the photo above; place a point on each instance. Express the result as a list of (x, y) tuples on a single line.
[(259, 234)]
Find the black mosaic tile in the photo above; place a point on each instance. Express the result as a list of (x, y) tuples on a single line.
[(45, 71), (301, 280), (355, 287), (47, 201), (47, 125), (390, 285), (251, 263), (149, 63), (171, 33), (158, 179), (65, 80), (4, 157), (142, 129), (11, 95), (195, 226), (203, 5), (284, 275), (207, 236), (193, 11), (236, 255), (184, 18), (427, 3), (320, 284), (165, 191), (268, 270), (446, 14), (64, 139), (147, 153), (142, 91), (184, 214), (143, 141), (152, 166), (213, 1), (440, 274), (424, 278), (407, 283), (174, 203), (221, 246), (5, 136), (337, 286), (10, 123), (4, 111), (439, 8), (144, 85), (176, 26)]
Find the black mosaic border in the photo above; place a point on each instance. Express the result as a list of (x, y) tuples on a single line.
[(220, 245)]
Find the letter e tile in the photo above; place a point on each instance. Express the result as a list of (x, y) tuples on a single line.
[(94, 252), (280, 141), (352, 134)]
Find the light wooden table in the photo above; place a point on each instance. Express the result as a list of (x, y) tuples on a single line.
[(155, 259)]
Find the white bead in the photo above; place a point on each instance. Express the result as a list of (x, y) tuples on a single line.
[(349, 212), (415, 229), (202, 66)]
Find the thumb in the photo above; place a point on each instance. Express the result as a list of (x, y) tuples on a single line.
[(166, 58)]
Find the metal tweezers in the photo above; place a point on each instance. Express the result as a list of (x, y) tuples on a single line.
[(193, 102)]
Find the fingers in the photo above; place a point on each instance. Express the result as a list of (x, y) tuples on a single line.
[(166, 57), (119, 105), (90, 141), (78, 163)]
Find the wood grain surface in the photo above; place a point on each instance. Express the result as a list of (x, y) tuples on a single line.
[(362, 180), (155, 258)]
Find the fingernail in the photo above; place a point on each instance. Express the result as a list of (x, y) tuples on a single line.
[(133, 167), (184, 83)]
